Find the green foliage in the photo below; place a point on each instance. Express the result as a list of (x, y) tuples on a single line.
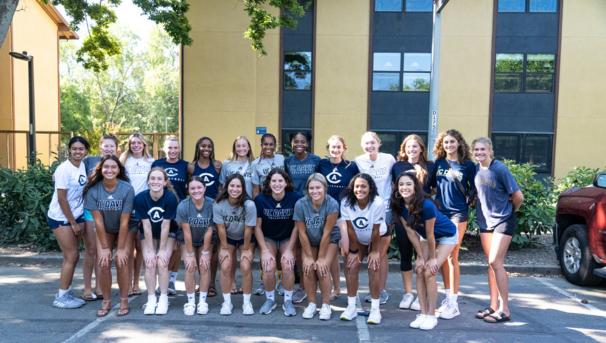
[(25, 196), (577, 177), (93, 136), (75, 108)]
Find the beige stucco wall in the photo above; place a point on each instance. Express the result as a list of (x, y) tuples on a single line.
[(581, 127), (6, 103), (228, 89)]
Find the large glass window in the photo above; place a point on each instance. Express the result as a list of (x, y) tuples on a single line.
[(528, 6), (386, 71), (524, 73), (391, 141), (419, 6), (388, 5), (543, 6), (297, 70), (409, 6), (420, 64), (530, 148), (512, 5)]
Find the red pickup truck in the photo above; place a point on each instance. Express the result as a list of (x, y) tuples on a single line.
[(580, 233)]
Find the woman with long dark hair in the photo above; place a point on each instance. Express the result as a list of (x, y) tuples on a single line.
[(276, 236), (110, 199), (65, 217), (432, 234), (235, 217), (364, 212)]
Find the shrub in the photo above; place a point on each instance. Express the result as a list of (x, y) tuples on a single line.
[(577, 177)]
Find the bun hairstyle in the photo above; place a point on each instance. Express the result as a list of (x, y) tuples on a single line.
[(78, 139), (169, 139), (266, 189), (109, 136)]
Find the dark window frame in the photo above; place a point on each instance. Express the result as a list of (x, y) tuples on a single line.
[(284, 71), (522, 136), (401, 72), (527, 8), (524, 73), (402, 9)]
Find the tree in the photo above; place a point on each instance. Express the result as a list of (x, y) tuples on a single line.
[(98, 15)]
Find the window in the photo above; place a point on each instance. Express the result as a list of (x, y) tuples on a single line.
[(516, 73), (391, 141), (410, 6), (419, 6), (286, 148), (308, 5), (388, 5), (524, 148), (548, 6), (387, 68), (297, 70)]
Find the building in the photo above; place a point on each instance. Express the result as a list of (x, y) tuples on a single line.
[(37, 29), (523, 72)]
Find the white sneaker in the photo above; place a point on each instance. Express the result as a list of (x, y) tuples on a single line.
[(310, 311), (150, 307), (415, 305), (375, 316), (202, 308), (325, 312), (451, 311), (350, 313), (226, 308), (429, 323), (444, 306), (407, 300), (162, 306), (189, 309), (419, 321), (247, 308)]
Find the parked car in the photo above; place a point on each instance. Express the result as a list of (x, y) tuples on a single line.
[(580, 233)]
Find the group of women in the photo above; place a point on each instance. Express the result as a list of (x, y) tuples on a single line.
[(299, 211)]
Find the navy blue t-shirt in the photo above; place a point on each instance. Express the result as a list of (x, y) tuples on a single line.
[(442, 227), (300, 171), (404, 166), (157, 211), (210, 177), (337, 175), (277, 219), (451, 200), (494, 186), (177, 174)]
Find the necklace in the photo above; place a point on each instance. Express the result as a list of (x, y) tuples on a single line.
[(272, 161), (334, 168)]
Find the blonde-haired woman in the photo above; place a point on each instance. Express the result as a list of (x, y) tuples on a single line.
[(378, 165), (412, 157), (138, 162), (338, 172)]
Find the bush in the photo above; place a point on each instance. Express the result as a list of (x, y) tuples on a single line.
[(24, 199), (577, 177)]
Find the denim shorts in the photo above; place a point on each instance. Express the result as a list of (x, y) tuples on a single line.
[(241, 241), (53, 224), (88, 216), (278, 244), (452, 240)]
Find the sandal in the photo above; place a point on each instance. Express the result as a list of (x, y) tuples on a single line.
[(234, 291), (123, 311), (90, 297), (137, 292), (334, 296), (104, 311), (240, 290), (497, 317), (212, 291), (483, 314)]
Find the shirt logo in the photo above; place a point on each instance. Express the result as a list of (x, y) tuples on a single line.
[(334, 177), (171, 172), (156, 214), (360, 223), (199, 215), (110, 197), (207, 177), (82, 180)]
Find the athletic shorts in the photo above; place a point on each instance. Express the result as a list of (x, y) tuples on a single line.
[(508, 227), (54, 224), (88, 216), (241, 241), (388, 232), (278, 244), (458, 217), (181, 239), (452, 240)]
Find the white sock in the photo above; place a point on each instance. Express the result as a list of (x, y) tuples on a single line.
[(151, 298), (453, 298), (203, 297), (69, 288), (447, 291), (164, 297), (191, 298), (374, 303), (247, 297), (351, 301), (63, 292), (173, 277), (287, 295), (271, 295), (227, 297)]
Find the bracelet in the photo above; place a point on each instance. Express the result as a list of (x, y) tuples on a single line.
[(288, 249), (354, 251), (190, 255), (265, 251), (205, 252), (104, 248)]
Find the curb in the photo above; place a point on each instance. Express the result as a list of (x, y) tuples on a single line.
[(394, 267)]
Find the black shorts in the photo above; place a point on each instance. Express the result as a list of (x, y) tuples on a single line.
[(388, 232), (508, 227), (133, 223), (458, 217)]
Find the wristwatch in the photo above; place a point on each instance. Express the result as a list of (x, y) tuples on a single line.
[(354, 251)]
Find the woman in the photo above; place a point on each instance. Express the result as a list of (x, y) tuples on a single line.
[(235, 216), (205, 166), (110, 199), (176, 169), (364, 212), (300, 165), (432, 234), (338, 172), (156, 209), (65, 217), (239, 162), (137, 161), (316, 218), (497, 220), (453, 158), (276, 236), (378, 165), (412, 157), (195, 238)]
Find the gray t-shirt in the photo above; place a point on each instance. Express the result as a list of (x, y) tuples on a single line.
[(199, 220), (494, 185), (233, 167), (111, 204), (234, 218), (262, 167), (90, 163), (316, 219), (300, 171)]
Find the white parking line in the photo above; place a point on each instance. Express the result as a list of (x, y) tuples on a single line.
[(563, 292), (96, 323), (363, 334)]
